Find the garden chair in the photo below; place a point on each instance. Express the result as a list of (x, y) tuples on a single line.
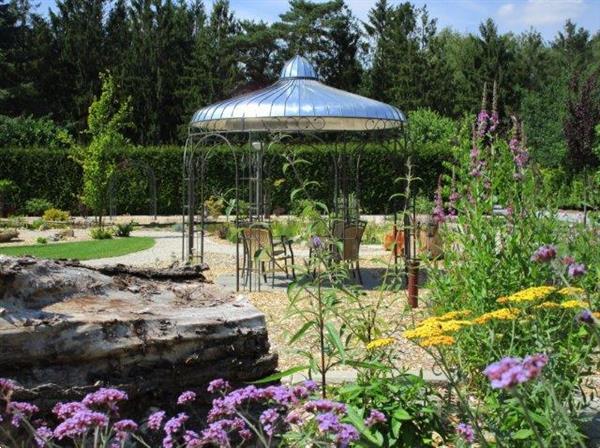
[(263, 254), (350, 234)]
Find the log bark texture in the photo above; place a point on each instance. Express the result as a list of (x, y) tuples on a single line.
[(66, 328)]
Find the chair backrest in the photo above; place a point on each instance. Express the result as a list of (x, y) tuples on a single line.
[(258, 238), (351, 236)]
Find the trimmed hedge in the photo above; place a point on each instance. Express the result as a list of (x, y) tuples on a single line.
[(51, 174)]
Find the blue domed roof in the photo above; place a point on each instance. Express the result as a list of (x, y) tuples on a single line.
[(298, 102)]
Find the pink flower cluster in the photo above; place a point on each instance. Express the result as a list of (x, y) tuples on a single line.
[(544, 254), (510, 372)]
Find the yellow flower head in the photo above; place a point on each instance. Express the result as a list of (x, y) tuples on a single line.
[(436, 341), (548, 304), (430, 328), (454, 315), (596, 315), (528, 295), (501, 314), (573, 304), (378, 343), (571, 291)]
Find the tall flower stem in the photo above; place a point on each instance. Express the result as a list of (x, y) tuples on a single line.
[(530, 420), (463, 401)]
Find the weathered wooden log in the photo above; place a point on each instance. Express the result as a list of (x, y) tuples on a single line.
[(67, 327)]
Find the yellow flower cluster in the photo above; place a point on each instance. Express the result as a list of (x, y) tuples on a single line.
[(528, 295), (378, 343), (432, 327), (501, 314), (453, 315), (596, 315), (571, 291), (436, 341), (548, 304), (573, 304)]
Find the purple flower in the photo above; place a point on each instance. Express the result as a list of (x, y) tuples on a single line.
[(544, 254), (175, 423), (328, 422), (155, 420), (192, 439), (80, 423), (105, 396), (586, 317), (482, 122), (576, 270), (316, 242), (20, 409), (346, 434), (294, 418), (310, 385), (66, 410), (126, 426), (42, 435), (7, 386), (123, 428), (324, 406), (186, 397), (218, 385), (509, 372), (374, 418), (465, 432), (216, 434), (268, 419)]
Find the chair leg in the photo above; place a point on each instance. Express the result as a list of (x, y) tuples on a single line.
[(264, 271), (358, 272)]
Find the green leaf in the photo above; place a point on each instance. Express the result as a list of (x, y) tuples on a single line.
[(522, 434), (301, 332), (401, 414), (334, 338), (279, 375)]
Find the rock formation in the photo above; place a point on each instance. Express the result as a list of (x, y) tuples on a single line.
[(65, 327)]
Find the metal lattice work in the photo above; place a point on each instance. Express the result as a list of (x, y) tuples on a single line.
[(296, 109)]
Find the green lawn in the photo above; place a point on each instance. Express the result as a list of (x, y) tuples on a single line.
[(83, 250)]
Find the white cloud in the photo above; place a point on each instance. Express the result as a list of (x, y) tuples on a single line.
[(540, 12)]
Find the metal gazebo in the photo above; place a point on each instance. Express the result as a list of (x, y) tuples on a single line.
[(296, 108)]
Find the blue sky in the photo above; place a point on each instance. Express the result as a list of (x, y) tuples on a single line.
[(547, 16)]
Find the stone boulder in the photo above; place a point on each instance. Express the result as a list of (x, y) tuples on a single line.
[(7, 235), (67, 328)]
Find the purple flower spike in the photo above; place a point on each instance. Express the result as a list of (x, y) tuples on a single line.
[(374, 418), (576, 270), (316, 242), (465, 432), (544, 254), (186, 397)]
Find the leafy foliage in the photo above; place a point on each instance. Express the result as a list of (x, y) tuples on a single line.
[(107, 118)]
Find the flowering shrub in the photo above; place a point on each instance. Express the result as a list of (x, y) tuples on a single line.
[(250, 416), (514, 298)]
